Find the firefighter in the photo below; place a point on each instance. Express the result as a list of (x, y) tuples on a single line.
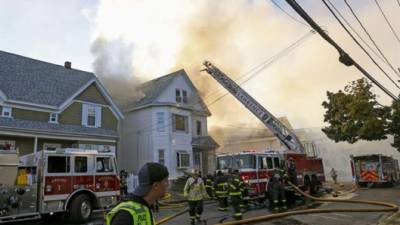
[(221, 190), (235, 192), (153, 183), (209, 185), (291, 170), (276, 189), (123, 175), (195, 191)]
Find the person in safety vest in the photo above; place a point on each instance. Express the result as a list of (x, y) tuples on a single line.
[(221, 190), (153, 183), (195, 191), (276, 189), (236, 186), (209, 185)]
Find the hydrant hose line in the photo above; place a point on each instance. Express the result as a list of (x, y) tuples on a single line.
[(388, 207)]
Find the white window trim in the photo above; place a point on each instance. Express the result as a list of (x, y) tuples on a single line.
[(179, 164), (6, 109), (85, 110), (51, 145), (56, 118)]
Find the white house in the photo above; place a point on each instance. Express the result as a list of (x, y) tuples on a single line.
[(168, 125)]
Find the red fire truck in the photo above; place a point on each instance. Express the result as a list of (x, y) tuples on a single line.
[(375, 169), (72, 181), (256, 168)]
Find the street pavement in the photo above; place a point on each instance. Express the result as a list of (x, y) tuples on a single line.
[(212, 216)]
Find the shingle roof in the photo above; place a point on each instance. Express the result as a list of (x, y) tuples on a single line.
[(29, 80), (206, 142), (54, 128), (152, 89)]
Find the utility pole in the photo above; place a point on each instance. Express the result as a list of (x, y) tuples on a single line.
[(343, 56)]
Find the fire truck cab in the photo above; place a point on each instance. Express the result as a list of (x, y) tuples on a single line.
[(73, 181)]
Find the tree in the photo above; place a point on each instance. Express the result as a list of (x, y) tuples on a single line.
[(395, 124), (354, 114)]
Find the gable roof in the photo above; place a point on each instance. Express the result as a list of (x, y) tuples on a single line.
[(34, 82), (153, 88)]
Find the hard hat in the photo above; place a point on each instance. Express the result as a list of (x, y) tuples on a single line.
[(195, 172)]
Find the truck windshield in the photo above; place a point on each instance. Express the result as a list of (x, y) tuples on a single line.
[(245, 161), (224, 162)]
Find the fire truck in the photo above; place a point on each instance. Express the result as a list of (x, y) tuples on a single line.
[(71, 181), (257, 167), (369, 170)]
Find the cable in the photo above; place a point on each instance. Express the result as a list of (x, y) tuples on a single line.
[(387, 21), (369, 36), (273, 59), (287, 13), (343, 56), (358, 43)]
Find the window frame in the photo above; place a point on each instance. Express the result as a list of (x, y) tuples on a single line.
[(179, 155), (178, 97), (6, 109), (160, 121), (198, 127), (10, 142), (87, 165), (161, 160), (185, 121), (67, 164), (184, 96), (51, 145), (55, 118), (113, 166)]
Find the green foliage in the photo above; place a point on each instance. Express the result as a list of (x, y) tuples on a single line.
[(354, 114), (395, 124)]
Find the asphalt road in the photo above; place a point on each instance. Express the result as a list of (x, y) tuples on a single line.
[(212, 216)]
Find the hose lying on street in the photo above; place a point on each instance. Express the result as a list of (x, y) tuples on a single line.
[(168, 218), (387, 208)]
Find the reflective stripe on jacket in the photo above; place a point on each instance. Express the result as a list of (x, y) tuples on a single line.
[(140, 213)]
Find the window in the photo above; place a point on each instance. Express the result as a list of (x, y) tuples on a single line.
[(161, 156), (7, 111), (269, 163), (58, 164), (178, 95), (180, 123), (276, 162), (91, 115), (183, 159), (80, 164), (184, 96), (53, 118), (51, 146), (198, 127), (160, 122), (104, 165), (7, 145), (245, 161), (224, 162)]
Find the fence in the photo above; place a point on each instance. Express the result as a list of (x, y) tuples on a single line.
[(132, 182)]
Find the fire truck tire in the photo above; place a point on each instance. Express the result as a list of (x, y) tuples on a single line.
[(81, 209)]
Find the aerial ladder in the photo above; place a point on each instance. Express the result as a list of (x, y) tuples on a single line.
[(285, 135)]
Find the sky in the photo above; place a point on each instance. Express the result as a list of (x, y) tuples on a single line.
[(127, 42)]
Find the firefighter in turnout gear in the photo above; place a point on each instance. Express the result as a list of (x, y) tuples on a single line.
[(291, 170), (236, 186), (276, 189), (195, 191), (221, 190), (209, 185), (153, 183), (123, 176)]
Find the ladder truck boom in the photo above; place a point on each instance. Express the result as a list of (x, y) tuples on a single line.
[(286, 136)]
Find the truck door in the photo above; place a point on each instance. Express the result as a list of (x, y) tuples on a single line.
[(82, 174)]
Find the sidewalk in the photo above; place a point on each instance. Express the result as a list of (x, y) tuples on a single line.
[(393, 219)]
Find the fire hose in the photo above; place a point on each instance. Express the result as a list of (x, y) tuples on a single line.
[(388, 207)]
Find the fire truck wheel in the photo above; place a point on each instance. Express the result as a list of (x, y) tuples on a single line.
[(81, 209)]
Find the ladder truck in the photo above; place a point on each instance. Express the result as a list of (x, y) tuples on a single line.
[(308, 169)]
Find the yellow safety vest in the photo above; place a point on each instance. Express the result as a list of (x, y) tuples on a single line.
[(140, 214)]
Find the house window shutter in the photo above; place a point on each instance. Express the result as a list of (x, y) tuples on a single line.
[(98, 116), (84, 114)]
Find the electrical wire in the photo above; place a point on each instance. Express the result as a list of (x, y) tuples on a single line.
[(369, 36), (287, 13), (358, 43), (387, 21)]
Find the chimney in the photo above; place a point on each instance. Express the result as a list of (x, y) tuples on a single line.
[(67, 64)]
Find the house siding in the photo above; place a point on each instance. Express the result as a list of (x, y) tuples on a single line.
[(64, 143), (92, 94), (30, 115), (108, 120), (24, 145), (72, 114)]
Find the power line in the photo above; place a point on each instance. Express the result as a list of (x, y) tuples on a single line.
[(272, 60), (358, 43), (343, 56), (287, 13), (387, 20), (369, 36)]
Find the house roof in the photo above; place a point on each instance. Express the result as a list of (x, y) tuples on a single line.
[(152, 89), (29, 80), (206, 142), (54, 128)]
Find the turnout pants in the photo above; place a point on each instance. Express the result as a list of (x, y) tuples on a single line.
[(278, 196), (195, 210), (236, 200)]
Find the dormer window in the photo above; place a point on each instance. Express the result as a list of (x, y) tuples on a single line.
[(6, 112), (53, 118), (178, 95), (181, 95)]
